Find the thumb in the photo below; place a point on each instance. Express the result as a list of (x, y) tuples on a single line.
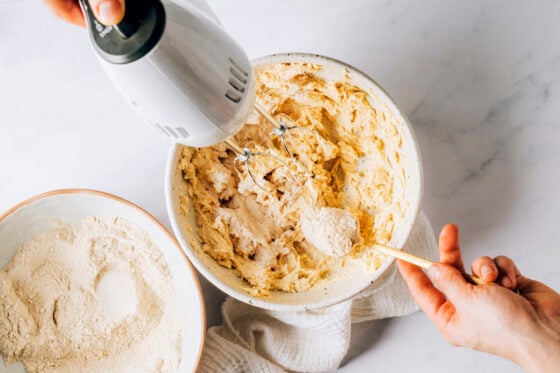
[(449, 280), (108, 12)]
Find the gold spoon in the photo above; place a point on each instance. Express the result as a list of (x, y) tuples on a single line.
[(420, 262)]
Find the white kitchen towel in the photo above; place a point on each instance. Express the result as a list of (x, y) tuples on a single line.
[(257, 340)]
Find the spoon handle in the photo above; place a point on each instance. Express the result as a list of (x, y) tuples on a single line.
[(420, 262)]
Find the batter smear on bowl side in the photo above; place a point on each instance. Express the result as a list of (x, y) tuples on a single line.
[(350, 161)]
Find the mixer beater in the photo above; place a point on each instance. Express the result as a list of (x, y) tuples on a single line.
[(280, 129)]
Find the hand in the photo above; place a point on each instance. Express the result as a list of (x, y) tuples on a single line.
[(510, 316), (108, 12)]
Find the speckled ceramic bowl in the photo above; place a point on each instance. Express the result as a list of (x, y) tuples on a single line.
[(33, 216), (326, 292)]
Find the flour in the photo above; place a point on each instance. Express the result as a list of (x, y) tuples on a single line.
[(333, 231), (92, 296)]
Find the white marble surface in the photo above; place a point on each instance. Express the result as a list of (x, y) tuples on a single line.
[(479, 79)]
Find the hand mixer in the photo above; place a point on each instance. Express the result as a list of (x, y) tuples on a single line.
[(182, 72)]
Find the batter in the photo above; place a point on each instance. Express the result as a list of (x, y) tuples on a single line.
[(350, 161)]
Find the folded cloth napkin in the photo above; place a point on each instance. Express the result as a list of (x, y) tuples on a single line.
[(257, 340)]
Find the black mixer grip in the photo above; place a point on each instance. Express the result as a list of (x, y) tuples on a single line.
[(139, 31), (135, 12)]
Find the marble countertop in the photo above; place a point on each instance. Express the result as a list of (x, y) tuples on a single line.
[(480, 81)]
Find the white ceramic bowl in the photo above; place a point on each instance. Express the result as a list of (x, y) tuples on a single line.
[(33, 216), (327, 292)]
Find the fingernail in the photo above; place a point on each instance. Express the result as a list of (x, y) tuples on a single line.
[(506, 282), (434, 272), (486, 269), (108, 11)]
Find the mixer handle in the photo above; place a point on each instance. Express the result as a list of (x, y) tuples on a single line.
[(135, 11), (135, 36)]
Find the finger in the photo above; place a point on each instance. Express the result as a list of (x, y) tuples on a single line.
[(449, 251), (450, 281), (485, 269), (108, 12), (541, 296), (68, 10), (527, 287), (507, 272), (428, 298)]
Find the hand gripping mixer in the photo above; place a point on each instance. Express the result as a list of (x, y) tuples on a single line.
[(182, 72)]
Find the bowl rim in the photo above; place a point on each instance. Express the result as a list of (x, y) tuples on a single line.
[(141, 210), (261, 301)]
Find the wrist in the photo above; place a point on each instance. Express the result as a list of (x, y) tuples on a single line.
[(539, 351)]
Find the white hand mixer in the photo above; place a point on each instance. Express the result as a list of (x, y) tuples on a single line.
[(182, 72)]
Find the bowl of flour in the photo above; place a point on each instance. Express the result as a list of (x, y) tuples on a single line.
[(91, 282)]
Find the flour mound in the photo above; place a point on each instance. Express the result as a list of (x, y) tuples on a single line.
[(92, 296), (333, 231)]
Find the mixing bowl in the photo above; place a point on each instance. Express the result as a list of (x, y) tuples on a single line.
[(329, 291), (32, 216)]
